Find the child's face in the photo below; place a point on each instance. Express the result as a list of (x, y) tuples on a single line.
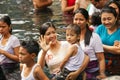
[(24, 56), (71, 36)]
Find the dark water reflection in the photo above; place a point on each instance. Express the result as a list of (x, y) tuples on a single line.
[(25, 22)]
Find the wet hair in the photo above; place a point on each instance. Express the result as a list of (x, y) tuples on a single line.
[(7, 20), (31, 46), (44, 27), (88, 33), (96, 0), (83, 11), (109, 9), (96, 19), (114, 2), (75, 28)]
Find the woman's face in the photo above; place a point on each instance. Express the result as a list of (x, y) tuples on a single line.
[(80, 20), (108, 19), (50, 35), (115, 7), (4, 28)]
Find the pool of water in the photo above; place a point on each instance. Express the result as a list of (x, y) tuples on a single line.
[(25, 21)]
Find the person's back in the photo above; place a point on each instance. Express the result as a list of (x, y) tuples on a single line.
[(41, 4)]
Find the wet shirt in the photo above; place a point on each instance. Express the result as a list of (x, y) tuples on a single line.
[(94, 47), (30, 76), (9, 47), (53, 60), (75, 61)]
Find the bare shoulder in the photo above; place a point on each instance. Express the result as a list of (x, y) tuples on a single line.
[(39, 73), (37, 68), (73, 47)]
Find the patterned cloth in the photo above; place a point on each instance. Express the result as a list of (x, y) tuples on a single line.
[(2, 76), (92, 75), (112, 65), (11, 73), (63, 75), (92, 70)]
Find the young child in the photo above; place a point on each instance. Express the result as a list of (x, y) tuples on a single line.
[(29, 69), (75, 56), (95, 20)]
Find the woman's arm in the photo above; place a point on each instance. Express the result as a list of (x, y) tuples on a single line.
[(77, 5), (11, 56), (41, 59), (45, 47), (112, 49), (101, 60), (74, 75), (64, 6)]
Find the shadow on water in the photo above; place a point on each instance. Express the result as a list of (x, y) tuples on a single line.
[(26, 21)]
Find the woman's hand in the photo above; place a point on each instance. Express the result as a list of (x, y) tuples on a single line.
[(43, 44), (72, 76), (57, 71), (2, 51), (101, 76)]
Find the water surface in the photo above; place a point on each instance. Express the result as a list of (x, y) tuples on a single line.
[(26, 22)]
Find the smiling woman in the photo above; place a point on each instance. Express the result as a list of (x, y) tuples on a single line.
[(53, 51), (109, 32)]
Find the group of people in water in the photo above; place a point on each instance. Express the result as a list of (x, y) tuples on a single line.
[(88, 53)]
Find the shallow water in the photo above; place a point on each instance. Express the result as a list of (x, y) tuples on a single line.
[(25, 22)]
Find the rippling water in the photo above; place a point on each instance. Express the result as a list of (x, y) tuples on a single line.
[(25, 22)]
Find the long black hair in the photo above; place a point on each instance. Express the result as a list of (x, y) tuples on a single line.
[(44, 27), (88, 33), (7, 20)]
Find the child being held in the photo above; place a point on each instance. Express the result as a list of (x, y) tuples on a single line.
[(75, 56)]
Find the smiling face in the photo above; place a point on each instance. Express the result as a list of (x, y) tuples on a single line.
[(108, 19), (50, 35)]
